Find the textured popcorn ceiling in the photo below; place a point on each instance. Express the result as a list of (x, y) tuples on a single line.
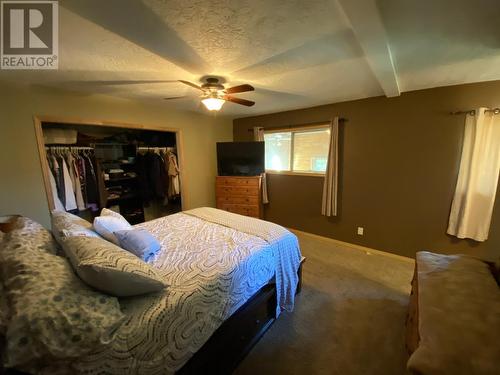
[(296, 53)]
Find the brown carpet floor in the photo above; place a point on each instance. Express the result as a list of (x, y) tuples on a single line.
[(348, 320)]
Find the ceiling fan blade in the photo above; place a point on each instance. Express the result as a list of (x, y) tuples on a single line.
[(176, 97), (240, 88), (233, 99), (191, 84)]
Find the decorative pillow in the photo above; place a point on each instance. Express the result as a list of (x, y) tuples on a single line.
[(110, 222), (30, 233), (108, 212), (4, 311), (54, 316), (111, 269), (65, 224), (139, 242)]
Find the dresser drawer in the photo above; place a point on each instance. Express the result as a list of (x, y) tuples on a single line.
[(237, 181), (241, 195), (252, 200), (236, 190), (241, 209)]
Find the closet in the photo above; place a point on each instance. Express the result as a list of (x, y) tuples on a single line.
[(133, 171)]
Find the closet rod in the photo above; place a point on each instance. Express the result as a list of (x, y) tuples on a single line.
[(472, 112), (155, 148), (71, 148)]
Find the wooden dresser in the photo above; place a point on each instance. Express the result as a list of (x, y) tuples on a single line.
[(241, 195)]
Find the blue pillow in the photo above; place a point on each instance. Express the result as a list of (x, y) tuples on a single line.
[(139, 242)]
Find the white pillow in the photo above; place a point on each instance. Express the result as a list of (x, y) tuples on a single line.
[(108, 212), (108, 224)]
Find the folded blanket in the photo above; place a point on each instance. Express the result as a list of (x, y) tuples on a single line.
[(287, 252)]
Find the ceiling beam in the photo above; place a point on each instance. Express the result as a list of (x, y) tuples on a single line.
[(368, 28)]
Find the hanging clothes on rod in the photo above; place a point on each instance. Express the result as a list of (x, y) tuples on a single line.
[(73, 177), (151, 173), (174, 188), (158, 173)]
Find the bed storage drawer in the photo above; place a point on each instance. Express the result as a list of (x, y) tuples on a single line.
[(258, 318), (232, 341)]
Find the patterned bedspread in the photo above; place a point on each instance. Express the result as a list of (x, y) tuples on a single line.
[(285, 248), (212, 269)]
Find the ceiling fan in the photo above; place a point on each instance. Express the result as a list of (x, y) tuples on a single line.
[(214, 95)]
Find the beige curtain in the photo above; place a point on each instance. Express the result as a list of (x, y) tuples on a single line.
[(474, 198), (329, 205), (258, 135)]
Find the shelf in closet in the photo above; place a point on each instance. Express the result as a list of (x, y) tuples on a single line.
[(122, 198), (121, 179)]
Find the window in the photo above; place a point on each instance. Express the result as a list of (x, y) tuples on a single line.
[(298, 151)]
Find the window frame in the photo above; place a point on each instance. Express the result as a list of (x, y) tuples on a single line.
[(293, 130)]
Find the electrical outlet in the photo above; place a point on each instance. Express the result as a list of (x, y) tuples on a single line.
[(361, 231)]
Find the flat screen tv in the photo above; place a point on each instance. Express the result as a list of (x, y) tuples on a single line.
[(240, 158)]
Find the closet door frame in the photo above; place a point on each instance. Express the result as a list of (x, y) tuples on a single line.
[(39, 120)]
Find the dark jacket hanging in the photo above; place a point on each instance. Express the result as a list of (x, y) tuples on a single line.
[(91, 185), (156, 173), (143, 178)]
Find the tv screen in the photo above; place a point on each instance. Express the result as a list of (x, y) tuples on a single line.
[(240, 158)]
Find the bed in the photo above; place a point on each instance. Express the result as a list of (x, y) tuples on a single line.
[(229, 278)]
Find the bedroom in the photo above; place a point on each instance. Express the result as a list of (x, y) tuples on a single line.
[(392, 72)]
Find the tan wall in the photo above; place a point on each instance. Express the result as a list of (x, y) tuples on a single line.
[(21, 184), (399, 164)]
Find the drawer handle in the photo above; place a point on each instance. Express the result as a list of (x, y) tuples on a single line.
[(257, 321)]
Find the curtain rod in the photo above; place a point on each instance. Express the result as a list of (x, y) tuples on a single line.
[(308, 124), (472, 112)]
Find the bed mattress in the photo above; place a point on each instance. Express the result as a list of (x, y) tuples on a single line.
[(212, 269)]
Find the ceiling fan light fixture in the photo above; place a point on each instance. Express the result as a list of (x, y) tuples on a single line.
[(213, 104)]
